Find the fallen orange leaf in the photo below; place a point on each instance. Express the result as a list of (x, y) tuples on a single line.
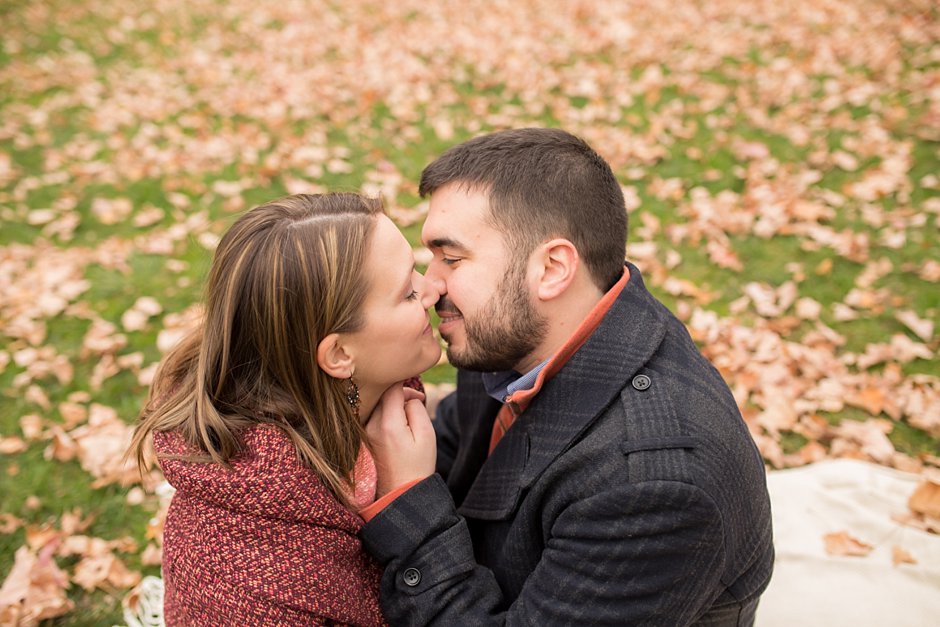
[(900, 556), (926, 499), (12, 445), (34, 590), (842, 544), (922, 327), (870, 399)]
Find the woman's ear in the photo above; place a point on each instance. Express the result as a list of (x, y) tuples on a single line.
[(557, 265), (333, 358)]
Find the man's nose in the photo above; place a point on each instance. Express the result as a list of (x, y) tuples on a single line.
[(431, 290)]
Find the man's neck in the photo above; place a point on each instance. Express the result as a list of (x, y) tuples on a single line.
[(564, 316)]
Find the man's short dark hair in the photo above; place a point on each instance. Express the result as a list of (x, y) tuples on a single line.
[(542, 183)]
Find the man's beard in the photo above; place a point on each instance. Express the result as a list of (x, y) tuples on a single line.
[(506, 330)]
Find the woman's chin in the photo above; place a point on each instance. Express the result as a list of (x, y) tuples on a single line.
[(435, 360), (431, 355)]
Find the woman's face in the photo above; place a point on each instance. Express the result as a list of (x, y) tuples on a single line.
[(396, 341)]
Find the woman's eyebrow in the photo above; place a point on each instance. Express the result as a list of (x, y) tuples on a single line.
[(406, 284)]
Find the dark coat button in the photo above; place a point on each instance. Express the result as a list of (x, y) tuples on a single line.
[(641, 382), (412, 577)]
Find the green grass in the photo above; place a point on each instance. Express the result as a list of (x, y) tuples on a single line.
[(122, 41)]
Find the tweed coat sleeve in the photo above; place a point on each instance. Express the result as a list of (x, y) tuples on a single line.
[(629, 538)]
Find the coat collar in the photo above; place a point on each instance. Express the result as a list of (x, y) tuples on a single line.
[(568, 404)]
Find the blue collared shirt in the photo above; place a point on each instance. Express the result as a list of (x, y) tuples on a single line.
[(502, 385)]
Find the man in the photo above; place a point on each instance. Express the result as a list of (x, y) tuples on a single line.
[(592, 466)]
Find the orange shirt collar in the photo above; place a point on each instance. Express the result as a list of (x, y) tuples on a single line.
[(518, 401)]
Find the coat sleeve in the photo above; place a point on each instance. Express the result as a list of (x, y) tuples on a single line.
[(634, 554)]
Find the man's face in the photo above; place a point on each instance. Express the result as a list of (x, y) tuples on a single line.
[(487, 315)]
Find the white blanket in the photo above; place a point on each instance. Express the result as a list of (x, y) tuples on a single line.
[(810, 587)]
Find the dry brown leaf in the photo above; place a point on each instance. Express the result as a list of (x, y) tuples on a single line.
[(152, 555), (840, 543), (34, 394), (75, 521), (85, 546), (922, 327), (73, 414), (843, 313), (100, 445), (745, 150), (146, 375), (926, 499), (148, 216), (105, 368), (104, 571), (824, 268), (31, 425), (901, 556), (845, 161), (721, 254), (919, 395), (134, 320), (34, 590), (868, 440), (135, 496), (176, 326), (9, 523), (778, 415), (12, 445), (102, 338), (862, 298), (808, 309), (39, 536), (111, 210), (809, 453), (871, 399), (900, 349), (930, 271), (63, 447)]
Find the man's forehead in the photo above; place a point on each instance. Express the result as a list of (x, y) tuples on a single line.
[(456, 215)]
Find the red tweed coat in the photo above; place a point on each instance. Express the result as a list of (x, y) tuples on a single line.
[(261, 544)]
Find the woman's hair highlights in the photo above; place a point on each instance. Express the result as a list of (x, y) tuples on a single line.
[(285, 275)]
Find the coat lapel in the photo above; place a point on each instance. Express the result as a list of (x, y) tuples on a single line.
[(567, 405), (477, 412)]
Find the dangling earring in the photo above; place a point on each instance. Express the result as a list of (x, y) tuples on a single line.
[(352, 395)]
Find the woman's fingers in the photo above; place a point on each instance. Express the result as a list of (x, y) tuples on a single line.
[(402, 440), (412, 394)]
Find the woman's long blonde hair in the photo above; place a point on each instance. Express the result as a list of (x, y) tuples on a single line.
[(285, 275)]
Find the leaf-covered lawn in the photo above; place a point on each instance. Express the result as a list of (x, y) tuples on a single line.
[(780, 160)]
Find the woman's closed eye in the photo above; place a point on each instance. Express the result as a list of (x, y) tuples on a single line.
[(413, 295)]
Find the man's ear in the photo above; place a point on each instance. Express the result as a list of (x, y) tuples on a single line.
[(557, 263), (333, 358)]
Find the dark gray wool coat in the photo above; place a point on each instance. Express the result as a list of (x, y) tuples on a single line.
[(628, 493)]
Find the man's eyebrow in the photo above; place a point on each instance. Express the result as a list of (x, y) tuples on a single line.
[(446, 242)]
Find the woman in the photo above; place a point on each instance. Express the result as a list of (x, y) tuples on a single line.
[(314, 311)]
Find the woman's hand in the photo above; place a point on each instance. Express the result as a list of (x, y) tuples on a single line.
[(401, 439)]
